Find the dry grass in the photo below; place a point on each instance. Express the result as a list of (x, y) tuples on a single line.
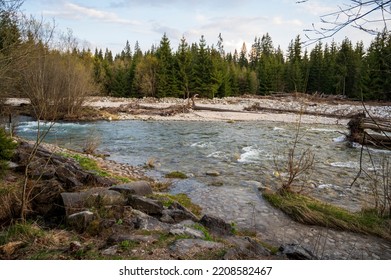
[(310, 211)]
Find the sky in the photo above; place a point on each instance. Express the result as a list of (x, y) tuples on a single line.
[(109, 24)]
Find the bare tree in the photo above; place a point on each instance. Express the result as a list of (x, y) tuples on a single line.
[(372, 16)]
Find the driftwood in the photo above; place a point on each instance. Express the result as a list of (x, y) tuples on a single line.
[(369, 131)]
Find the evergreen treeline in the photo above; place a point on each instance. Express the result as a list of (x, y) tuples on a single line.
[(338, 69), (344, 69)]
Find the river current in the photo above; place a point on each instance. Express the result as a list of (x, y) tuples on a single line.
[(244, 155)]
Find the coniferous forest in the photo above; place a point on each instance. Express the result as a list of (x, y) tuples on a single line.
[(345, 68)]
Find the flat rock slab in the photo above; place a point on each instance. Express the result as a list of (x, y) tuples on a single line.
[(146, 205)]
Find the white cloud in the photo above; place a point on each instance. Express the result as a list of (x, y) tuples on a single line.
[(280, 21), (317, 8), (73, 11)]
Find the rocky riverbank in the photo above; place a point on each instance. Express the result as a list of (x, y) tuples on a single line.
[(281, 108), (78, 214)]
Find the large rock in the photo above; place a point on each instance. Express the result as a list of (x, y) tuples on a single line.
[(216, 225), (66, 176), (297, 252), (177, 213), (95, 197), (141, 188), (146, 205)]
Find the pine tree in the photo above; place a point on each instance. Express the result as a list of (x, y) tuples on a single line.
[(184, 59), (243, 61), (165, 84), (294, 67), (203, 70), (379, 68), (316, 67)]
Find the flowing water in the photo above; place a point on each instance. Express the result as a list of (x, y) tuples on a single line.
[(246, 155)]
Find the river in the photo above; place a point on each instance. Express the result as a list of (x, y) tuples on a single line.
[(245, 155)]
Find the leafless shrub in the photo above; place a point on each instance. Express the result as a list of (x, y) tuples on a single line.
[(298, 163), (92, 142)]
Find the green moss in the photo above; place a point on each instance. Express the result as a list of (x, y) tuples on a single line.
[(204, 230), (91, 165), (310, 211), (176, 175)]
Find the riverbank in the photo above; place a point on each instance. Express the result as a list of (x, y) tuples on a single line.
[(228, 201), (289, 108)]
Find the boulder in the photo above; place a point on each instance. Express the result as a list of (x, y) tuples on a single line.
[(141, 188), (216, 225), (173, 216), (68, 177), (95, 197), (146, 205), (297, 252)]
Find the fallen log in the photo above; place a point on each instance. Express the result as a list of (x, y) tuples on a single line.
[(206, 108), (368, 131)]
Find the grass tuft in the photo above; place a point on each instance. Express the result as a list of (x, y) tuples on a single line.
[(176, 175), (310, 211)]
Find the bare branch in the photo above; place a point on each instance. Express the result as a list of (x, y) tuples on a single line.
[(362, 15)]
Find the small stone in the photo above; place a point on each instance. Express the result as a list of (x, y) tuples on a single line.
[(111, 251), (212, 173)]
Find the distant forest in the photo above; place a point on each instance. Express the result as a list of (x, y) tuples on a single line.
[(345, 69), (348, 69)]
